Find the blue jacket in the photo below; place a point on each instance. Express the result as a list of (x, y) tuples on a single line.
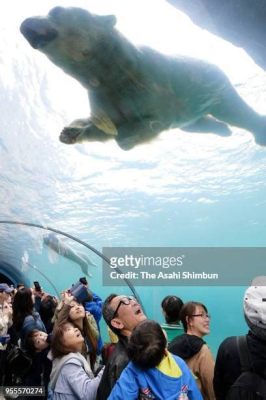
[(95, 308), (154, 384)]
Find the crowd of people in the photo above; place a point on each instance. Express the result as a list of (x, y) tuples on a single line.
[(56, 344)]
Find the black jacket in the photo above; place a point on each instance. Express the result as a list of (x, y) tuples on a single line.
[(115, 365), (227, 366), (186, 346)]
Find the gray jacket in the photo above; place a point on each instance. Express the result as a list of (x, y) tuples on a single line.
[(72, 379)]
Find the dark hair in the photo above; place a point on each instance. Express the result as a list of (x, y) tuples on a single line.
[(147, 344), (47, 308), (172, 305), (58, 348), (29, 341), (20, 285), (188, 310), (108, 313), (22, 306), (87, 333)]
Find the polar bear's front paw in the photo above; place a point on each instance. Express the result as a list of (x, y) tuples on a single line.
[(70, 135)]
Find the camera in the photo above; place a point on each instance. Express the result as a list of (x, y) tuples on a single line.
[(81, 293)]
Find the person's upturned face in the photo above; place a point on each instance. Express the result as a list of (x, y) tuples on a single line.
[(40, 341), (199, 323), (72, 338), (128, 313), (76, 311)]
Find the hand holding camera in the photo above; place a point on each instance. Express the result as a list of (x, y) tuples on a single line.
[(68, 298)]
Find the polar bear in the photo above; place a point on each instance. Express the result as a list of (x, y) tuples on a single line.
[(136, 92)]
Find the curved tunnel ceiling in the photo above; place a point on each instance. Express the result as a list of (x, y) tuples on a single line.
[(15, 275), (12, 275)]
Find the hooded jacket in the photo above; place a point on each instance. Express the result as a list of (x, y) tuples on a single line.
[(170, 380), (227, 367), (199, 359), (72, 379)]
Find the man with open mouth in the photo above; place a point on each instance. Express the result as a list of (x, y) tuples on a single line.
[(122, 314)]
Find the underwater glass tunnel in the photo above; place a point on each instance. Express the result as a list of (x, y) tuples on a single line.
[(180, 190)]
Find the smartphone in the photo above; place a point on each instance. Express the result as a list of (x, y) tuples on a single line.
[(37, 286)]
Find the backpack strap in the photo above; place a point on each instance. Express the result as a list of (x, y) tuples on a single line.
[(244, 355)]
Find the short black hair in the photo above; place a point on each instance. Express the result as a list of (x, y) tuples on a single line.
[(172, 305), (20, 285), (147, 344), (108, 313), (47, 308)]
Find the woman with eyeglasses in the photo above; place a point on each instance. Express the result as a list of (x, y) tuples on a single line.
[(193, 349)]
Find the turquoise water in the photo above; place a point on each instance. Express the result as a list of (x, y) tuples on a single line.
[(180, 190)]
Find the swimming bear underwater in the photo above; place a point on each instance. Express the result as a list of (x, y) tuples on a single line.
[(136, 92)]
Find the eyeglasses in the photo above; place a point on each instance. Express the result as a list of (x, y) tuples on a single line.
[(204, 316), (126, 301)]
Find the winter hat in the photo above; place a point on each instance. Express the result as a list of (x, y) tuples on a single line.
[(255, 306), (5, 288)]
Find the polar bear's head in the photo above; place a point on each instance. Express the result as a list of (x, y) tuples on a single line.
[(70, 37)]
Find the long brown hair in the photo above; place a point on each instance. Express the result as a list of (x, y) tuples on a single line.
[(87, 334)]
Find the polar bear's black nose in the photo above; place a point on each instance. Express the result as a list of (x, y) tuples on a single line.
[(38, 32), (56, 11)]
